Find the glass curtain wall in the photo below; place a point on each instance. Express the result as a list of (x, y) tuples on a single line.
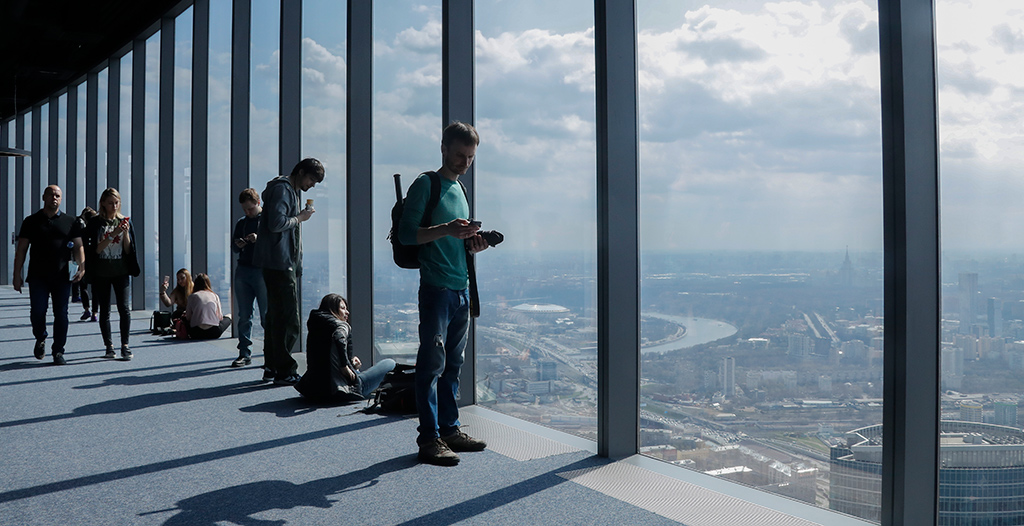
[(264, 92), (151, 206), (407, 140), (124, 145), (981, 127), (323, 137), (102, 84), (761, 254), (181, 198), (222, 207), (62, 149), (536, 339)]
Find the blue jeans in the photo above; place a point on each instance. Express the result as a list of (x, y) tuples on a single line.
[(40, 292), (249, 287), (444, 323), (371, 378)]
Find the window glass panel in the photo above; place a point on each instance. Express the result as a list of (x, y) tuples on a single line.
[(323, 137), (222, 207), (264, 92), (981, 97), (536, 339), (182, 191), (62, 149), (124, 146), (761, 255), (152, 163), (407, 138)]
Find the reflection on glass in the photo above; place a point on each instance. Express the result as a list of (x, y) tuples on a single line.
[(222, 208), (761, 300), (265, 72), (181, 195), (323, 137), (407, 137), (980, 59), (151, 203), (536, 344)]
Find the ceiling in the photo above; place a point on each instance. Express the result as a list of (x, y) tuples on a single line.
[(47, 44)]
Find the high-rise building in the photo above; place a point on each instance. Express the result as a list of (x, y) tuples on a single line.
[(968, 296), (971, 411), (995, 317), (547, 370), (729, 376), (981, 474), (1006, 413)]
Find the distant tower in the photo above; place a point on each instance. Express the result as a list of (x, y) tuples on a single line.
[(968, 296), (846, 272), (729, 377), (995, 317), (548, 370)]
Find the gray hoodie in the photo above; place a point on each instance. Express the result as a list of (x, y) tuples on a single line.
[(279, 245)]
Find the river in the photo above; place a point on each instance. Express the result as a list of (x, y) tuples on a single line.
[(698, 331)]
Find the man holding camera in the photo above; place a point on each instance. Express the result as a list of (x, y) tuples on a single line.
[(443, 296)]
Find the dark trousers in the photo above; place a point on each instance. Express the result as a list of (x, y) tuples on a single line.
[(199, 333), (81, 288), (101, 302), (282, 325), (40, 292)]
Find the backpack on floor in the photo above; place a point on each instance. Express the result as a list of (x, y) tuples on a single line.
[(397, 392)]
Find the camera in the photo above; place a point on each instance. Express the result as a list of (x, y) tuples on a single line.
[(492, 237)]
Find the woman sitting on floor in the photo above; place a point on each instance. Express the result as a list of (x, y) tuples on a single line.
[(179, 296), (332, 372), (202, 312)]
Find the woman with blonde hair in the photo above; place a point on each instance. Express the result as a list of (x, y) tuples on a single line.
[(110, 235), (178, 297)]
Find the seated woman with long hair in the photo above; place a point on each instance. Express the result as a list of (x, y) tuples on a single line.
[(178, 297), (202, 312), (332, 372)]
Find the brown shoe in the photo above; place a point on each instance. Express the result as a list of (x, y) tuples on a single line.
[(437, 453), (460, 441)]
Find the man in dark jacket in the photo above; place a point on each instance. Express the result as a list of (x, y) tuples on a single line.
[(54, 240), (249, 286), (278, 252)]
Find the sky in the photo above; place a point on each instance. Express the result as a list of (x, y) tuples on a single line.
[(759, 121)]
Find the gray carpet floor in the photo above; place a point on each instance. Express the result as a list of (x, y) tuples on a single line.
[(177, 437)]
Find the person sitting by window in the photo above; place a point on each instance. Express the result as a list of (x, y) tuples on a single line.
[(178, 297), (332, 372), (202, 312)]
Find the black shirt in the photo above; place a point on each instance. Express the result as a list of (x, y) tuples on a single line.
[(245, 226), (49, 239)]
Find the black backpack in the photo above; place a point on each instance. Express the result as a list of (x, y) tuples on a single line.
[(408, 256), (397, 392)]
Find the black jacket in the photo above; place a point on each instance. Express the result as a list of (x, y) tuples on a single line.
[(328, 352)]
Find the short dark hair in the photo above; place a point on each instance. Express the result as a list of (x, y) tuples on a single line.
[(249, 194), (309, 166), (459, 131)]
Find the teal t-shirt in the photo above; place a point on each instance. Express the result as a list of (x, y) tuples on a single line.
[(442, 262)]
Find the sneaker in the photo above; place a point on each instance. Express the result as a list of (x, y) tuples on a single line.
[(76, 299), (126, 354), (241, 361), (437, 453), (40, 350), (58, 359), (268, 375), (85, 316), (460, 441), (93, 318), (287, 380), (110, 354)]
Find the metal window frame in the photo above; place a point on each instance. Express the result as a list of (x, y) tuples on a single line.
[(71, 189), (200, 134), (36, 190), (113, 122), (53, 139), (138, 172), (20, 206), (5, 182), (165, 151), (290, 81), (359, 173), (92, 138), (241, 56)]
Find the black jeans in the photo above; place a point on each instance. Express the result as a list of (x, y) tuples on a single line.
[(199, 333), (101, 302), (282, 324)]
